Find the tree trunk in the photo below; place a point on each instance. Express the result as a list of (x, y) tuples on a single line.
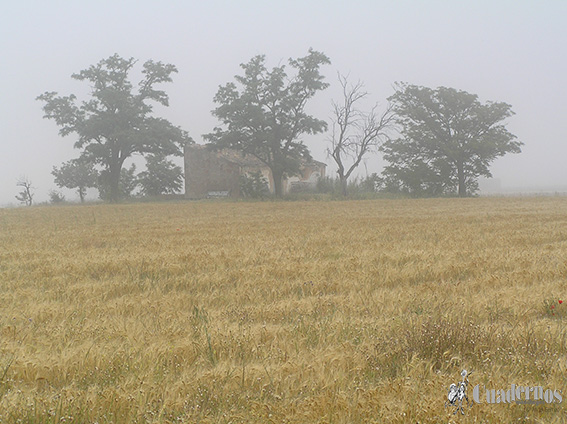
[(344, 184), (114, 183), (278, 184), (461, 176), (82, 194), (343, 179)]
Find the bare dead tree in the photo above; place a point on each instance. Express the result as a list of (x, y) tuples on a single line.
[(26, 195), (355, 133)]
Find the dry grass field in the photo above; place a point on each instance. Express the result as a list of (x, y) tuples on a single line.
[(281, 312)]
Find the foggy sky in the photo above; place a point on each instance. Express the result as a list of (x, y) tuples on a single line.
[(511, 51)]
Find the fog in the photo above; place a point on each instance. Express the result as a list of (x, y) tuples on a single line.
[(511, 51)]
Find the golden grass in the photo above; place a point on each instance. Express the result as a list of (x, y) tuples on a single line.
[(299, 312)]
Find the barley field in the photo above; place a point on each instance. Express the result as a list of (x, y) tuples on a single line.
[(282, 312)]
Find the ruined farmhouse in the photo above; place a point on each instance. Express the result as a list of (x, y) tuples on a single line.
[(211, 173)]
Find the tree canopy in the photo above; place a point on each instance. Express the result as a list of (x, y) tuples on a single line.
[(117, 121), (76, 174), (448, 139), (161, 176), (266, 116)]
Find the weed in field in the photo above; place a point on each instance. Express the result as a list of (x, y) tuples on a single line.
[(553, 307)]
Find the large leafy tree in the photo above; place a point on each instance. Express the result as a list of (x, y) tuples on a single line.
[(266, 116), (448, 139), (117, 121)]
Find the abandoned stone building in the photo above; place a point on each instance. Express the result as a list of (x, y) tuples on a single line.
[(217, 173)]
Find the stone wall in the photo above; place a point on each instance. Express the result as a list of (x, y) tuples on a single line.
[(205, 171), (209, 171)]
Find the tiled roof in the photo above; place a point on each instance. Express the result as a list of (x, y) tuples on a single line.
[(241, 158)]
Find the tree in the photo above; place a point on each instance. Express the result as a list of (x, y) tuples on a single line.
[(76, 174), (56, 197), (354, 132), (267, 116), (448, 139), (161, 177), (127, 183), (254, 185), (26, 195), (116, 122)]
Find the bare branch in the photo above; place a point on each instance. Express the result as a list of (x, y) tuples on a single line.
[(355, 133), (26, 195)]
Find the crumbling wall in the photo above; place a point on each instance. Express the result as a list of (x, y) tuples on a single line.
[(209, 171), (205, 171)]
